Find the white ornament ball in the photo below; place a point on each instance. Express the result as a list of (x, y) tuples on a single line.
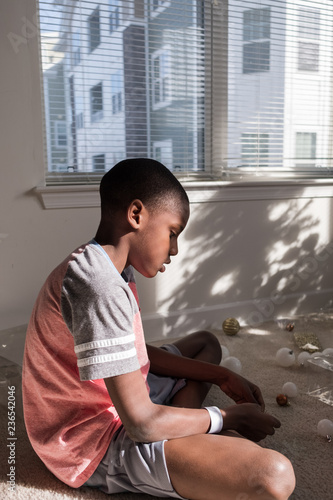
[(225, 352), (290, 389), (328, 351), (303, 357), (285, 357), (325, 427), (233, 364)]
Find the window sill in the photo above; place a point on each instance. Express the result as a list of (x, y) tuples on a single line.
[(87, 196)]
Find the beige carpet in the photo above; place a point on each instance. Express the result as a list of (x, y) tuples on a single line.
[(311, 455)]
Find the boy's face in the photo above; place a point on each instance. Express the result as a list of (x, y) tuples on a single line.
[(159, 239)]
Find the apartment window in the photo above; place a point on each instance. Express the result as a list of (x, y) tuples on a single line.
[(76, 48), (255, 149), (308, 56), (117, 86), (308, 29), (306, 143), (162, 152), (94, 29), (226, 83), (98, 162), (60, 134), (256, 35), (96, 102), (161, 78), (114, 15), (309, 23), (158, 6)]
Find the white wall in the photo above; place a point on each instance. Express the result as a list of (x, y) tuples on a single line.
[(254, 259)]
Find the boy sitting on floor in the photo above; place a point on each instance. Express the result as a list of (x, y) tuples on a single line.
[(104, 410)]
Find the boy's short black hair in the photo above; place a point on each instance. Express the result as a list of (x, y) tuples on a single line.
[(140, 178)]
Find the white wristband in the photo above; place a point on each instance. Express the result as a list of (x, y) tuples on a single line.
[(216, 419)]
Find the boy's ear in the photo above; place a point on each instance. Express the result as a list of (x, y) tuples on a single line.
[(135, 213)]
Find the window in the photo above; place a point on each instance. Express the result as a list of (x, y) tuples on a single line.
[(60, 134), (308, 28), (79, 111), (308, 56), (306, 145), (309, 23), (218, 90), (163, 152), (114, 15), (161, 79), (256, 26), (117, 92), (256, 57), (76, 48), (255, 149), (94, 30), (158, 6), (98, 163), (96, 102)]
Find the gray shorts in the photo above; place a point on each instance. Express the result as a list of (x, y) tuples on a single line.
[(139, 467)]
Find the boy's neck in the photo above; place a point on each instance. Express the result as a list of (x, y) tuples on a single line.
[(115, 247)]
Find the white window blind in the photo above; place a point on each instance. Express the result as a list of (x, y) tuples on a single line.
[(124, 76), (234, 89), (280, 89)]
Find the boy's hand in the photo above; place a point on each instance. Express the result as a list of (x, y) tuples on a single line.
[(249, 421), (241, 390)]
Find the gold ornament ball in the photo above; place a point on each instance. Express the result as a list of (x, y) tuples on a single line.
[(230, 326), (282, 400)]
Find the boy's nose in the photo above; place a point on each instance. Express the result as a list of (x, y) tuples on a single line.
[(173, 248)]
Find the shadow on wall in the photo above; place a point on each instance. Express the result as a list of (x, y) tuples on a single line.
[(253, 259)]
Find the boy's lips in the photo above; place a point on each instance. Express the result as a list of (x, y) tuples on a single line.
[(163, 266)]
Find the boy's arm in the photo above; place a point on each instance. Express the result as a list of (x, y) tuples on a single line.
[(145, 421), (233, 385)]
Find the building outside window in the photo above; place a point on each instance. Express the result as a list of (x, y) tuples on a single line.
[(256, 35), (309, 28), (255, 149), (306, 143), (79, 111), (117, 86), (114, 15), (96, 102), (162, 151), (98, 162), (161, 78), (158, 6), (94, 30), (76, 48), (60, 134)]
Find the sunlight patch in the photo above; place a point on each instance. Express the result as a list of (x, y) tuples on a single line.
[(224, 283)]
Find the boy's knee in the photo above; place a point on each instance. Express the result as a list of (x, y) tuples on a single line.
[(212, 346), (278, 479)]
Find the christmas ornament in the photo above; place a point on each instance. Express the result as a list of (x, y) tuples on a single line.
[(303, 357), (230, 326), (282, 400), (290, 389), (325, 428), (232, 364), (285, 357), (225, 352)]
